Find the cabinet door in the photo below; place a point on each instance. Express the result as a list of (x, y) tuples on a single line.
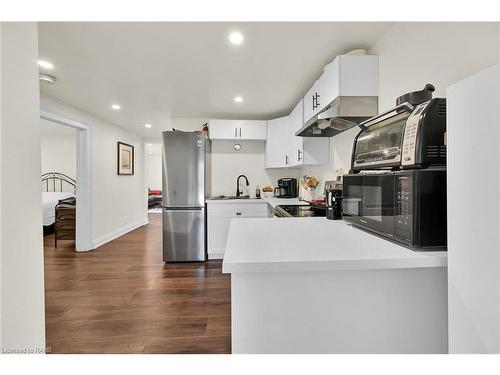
[(218, 229), (296, 151), (223, 129), (329, 83), (277, 145), (312, 101), (252, 130), (219, 221), (316, 150), (358, 75)]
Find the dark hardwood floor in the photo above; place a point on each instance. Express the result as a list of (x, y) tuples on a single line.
[(122, 298)]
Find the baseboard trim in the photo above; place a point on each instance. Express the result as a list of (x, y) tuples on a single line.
[(108, 237), (216, 256)]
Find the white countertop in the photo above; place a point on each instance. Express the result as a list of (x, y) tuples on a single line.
[(315, 244), (273, 202)]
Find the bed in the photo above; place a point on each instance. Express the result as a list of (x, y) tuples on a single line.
[(55, 187)]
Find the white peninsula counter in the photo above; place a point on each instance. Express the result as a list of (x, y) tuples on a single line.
[(311, 285)]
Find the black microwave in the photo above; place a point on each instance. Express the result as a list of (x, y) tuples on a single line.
[(407, 206)]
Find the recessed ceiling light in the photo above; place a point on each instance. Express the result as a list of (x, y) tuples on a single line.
[(149, 144), (150, 153), (47, 78), (116, 107), (148, 126), (238, 99), (45, 64), (236, 37)]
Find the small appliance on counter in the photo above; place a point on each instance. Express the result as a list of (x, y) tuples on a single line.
[(334, 204), (397, 183), (411, 135), (287, 188)]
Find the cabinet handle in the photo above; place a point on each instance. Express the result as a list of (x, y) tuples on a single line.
[(240, 132), (299, 154), (286, 159), (235, 132), (315, 100), (238, 213)]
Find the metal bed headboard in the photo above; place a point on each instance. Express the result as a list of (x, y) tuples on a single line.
[(54, 180)]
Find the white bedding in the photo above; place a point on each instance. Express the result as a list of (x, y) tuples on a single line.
[(49, 201)]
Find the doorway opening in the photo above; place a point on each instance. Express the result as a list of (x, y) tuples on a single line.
[(55, 181), (58, 164), (153, 157)]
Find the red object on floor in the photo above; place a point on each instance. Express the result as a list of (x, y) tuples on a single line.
[(154, 192)]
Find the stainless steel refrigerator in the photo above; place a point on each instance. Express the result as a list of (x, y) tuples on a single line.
[(186, 184)]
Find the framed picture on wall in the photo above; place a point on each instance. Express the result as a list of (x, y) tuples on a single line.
[(125, 159)]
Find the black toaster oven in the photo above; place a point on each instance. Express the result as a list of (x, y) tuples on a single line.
[(405, 137)]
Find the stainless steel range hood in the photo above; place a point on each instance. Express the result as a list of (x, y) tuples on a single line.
[(343, 113)]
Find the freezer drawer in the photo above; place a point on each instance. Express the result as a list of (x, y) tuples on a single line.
[(184, 235)]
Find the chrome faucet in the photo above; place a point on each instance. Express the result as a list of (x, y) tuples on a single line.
[(238, 192)]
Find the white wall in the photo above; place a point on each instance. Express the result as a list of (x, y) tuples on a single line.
[(228, 164), (153, 171), (22, 278), (119, 203), (474, 240), (59, 153), (412, 54), (1, 89)]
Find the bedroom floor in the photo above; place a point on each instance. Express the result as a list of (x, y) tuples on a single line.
[(122, 298)]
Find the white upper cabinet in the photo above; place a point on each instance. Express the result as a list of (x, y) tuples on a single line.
[(253, 130), (296, 144), (345, 76), (277, 145), (305, 150), (312, 101), (223, 129), (249, 130)]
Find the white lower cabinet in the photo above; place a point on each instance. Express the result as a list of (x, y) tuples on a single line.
[(220, 215)]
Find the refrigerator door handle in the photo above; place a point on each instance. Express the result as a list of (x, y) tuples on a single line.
[(178, 209)]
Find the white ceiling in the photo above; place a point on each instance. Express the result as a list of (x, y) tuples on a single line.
[(157, 71)]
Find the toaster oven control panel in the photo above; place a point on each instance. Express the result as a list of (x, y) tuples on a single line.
[(410, 136)]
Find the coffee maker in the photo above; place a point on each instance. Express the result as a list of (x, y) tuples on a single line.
[(287, 188), (334, 204)]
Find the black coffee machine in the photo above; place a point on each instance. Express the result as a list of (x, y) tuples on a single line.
[(334, 204), (287, 188)]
